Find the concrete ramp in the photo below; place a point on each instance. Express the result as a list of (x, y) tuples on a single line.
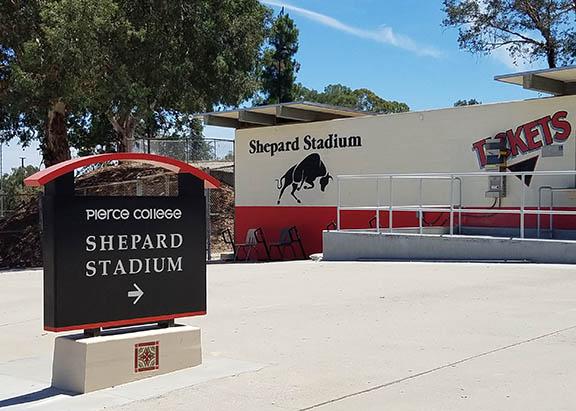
[(353, 246)]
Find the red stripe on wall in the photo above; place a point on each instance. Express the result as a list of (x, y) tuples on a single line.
[(565, 222), (311, 221)]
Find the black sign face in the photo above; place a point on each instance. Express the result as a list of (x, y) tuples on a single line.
[(113, 261)]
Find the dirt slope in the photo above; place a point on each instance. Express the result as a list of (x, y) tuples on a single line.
[(20, 233)]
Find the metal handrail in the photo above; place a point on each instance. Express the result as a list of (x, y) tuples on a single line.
[(452, 207), (467, 174), (420, 208), (551, 207)]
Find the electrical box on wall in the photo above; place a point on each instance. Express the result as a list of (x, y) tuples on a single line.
[(496, 187), (555, 150), (496, 155)]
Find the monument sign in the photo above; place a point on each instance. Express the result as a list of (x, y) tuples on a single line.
[(122, 260)]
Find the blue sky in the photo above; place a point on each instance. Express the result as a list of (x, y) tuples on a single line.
[(396, 48)]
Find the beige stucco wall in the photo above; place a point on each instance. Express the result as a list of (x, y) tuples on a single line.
[(417, 142)]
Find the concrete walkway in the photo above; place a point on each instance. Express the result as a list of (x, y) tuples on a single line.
[(338, 336)]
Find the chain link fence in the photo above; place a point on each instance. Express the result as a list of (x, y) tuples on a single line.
[(203, 152), (163, 185), (219, 203), (19, 214), (14, 207), (19, 226), (189, 150), (11, 203)]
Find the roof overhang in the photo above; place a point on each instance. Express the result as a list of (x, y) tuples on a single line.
[(278, 114), (557, 81)]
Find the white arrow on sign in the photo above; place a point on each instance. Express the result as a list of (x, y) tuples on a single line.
[(138, 294)]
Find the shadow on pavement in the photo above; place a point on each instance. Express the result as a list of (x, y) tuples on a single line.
[(34, 396)]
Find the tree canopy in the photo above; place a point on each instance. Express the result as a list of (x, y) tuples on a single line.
[(280, 68), (526, 29), (107, 69), (52, 58), (279, 65), (343, 96), (13, 192)]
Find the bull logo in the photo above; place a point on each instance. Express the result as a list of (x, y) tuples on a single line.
[(305, 172)]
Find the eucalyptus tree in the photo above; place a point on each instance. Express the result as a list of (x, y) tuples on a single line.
[(72, 65), (361, 99)]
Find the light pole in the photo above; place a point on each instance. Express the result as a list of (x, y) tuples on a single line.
[(23, 170)]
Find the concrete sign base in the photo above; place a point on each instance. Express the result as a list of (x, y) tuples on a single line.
[(83, 364)]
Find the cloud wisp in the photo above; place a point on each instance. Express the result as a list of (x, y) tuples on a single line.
[(383, 34)]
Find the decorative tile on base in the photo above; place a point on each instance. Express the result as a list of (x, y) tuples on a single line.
[(87, 364), (147, 356)]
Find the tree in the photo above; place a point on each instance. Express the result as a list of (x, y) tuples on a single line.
[(52, 55), (526, 29), (187, 57), (70, 64), (13, 192), (342, 96), (91, 133), (279, 65), (471, 102)]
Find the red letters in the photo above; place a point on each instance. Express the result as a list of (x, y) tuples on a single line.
[(564, 126), (530, 131), (515, 142), (545, 124), (525, 138), (480, 153)]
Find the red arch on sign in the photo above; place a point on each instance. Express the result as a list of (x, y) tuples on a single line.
[(45, 176)]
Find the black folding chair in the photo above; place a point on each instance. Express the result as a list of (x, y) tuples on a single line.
[(254, 236), (228, 239), (288, 237), (372, 222)]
